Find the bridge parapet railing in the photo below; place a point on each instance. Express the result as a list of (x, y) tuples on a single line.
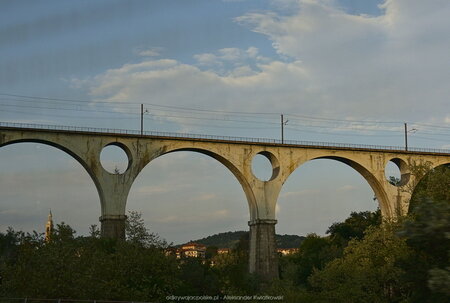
[(215, 137)]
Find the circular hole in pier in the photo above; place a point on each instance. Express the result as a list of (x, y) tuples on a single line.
[(262, 167), (114, 159), (392, 173)]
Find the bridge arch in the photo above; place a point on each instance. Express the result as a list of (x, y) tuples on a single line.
[(371, 178), (239, 175), (63, 148), (70, 151), (373, 181), (51, 157), (187, 188)]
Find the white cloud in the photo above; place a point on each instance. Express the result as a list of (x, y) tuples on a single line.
[(172, 82), (151, 52), (393, 66), (231, 61)]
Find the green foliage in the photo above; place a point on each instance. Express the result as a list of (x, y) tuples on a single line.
[(86, 268), (406, 262), (8, 245), (439, 281), (231, 239), (289, 241), (232, 270), (198, 277), (137, 233), (369, 271), (434, 185), (353, 227), (211, 252), (222, 240), (394, 180), (427, 230), (94, 231), (314, 253)]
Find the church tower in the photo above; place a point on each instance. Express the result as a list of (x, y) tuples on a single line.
[(49, 227)]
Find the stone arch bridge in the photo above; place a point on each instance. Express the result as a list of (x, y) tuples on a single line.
[(85, 145)]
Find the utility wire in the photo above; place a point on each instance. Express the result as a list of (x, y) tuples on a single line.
[(190, 117), (338, 124), (121, 103), (67, 116)]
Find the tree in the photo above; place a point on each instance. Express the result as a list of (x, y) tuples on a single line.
[(427, 230), (369, 271), (198, 278), (137, 233), (314, 253), (94, 231), (353, 227), (88, 267), (232, 269)]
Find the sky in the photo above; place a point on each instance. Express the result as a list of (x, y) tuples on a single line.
[(346, 71)]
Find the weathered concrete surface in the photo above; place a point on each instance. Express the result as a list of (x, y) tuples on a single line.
[(113, 226), (263, 258), (261, 196)]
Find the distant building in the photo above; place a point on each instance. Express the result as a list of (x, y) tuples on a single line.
[(49, 227), (193, 250), (188, 250), (222, 251), (287, 251)]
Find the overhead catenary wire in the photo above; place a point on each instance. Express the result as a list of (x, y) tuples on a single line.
[(184, 108), (262, 120), (341, 127), (172, 116)]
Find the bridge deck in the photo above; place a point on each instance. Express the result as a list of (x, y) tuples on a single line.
[(218, 139)]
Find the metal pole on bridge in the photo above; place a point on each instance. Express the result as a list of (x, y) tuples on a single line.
[(142, 119), (406, 136), (283, 123)]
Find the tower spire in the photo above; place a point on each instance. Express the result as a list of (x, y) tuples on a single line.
[(49, 227)]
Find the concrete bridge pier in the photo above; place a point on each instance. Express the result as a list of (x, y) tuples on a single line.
[(263, 259), (113, 226), (113, 190)]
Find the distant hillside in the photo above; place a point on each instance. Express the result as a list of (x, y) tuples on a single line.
[(231, 238), (223, 240), (289, 241)]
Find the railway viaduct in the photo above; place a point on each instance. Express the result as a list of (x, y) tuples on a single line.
[(85, 145)]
